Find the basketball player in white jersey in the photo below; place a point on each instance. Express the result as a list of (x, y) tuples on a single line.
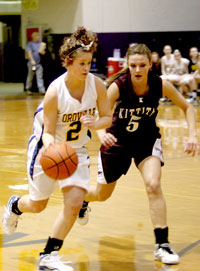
[(186, 81), (179, 76), (66, 115)]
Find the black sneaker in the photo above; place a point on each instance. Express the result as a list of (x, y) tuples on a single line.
[(83, 216)]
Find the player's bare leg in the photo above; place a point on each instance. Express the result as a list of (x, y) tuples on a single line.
[(16, 206), (26, 205), (100, 192), (49, 258), (150, 169), (73, 200)]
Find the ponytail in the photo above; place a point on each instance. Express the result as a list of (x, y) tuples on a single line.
[(112, 78)]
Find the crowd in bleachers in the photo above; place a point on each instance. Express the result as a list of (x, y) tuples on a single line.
[(183, 73)]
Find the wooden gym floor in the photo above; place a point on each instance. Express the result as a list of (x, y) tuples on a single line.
[(119, 235)]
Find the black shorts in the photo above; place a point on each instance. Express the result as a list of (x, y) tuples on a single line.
[(116, 160)]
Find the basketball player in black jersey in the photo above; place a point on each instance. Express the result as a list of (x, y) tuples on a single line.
[(135, 93)]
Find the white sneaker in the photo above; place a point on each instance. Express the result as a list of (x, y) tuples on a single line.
[(29, 92), (51, 262), (165, 254), (42, 92), (163, 99), (83, 216), (191, 99), (9, 219)]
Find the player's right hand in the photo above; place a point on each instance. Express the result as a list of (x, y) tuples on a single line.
[(108, 140)]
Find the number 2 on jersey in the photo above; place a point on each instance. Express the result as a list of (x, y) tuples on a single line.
[(73, 134)]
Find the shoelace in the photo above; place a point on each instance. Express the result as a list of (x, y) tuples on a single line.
[(167, 248)]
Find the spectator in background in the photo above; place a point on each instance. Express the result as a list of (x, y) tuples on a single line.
[(197, 75), (193, 66), (180, 69), (156, 65), (193, 57), (180, 63), (167, 62), (197, 72), (180, 76), (34, 49), (50, 71), (186, 82)]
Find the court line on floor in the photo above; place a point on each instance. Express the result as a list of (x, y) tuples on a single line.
[(188, 248), (8, 240), (33, 242), (25, 243)]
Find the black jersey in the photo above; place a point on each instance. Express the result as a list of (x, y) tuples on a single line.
[(134, 117)]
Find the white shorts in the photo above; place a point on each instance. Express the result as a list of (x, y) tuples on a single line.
[(186, 78), (171, 77), (41, 186)]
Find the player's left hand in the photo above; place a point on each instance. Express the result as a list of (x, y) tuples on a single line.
[(88, 120), (192, 146), (108, 140)]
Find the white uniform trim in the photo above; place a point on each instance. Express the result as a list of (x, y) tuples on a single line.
[(157, 149)]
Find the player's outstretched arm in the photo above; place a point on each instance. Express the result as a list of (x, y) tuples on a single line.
[(192, 145)]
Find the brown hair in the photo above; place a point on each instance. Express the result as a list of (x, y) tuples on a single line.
[(82, 40), (155, 53), (140, 49)]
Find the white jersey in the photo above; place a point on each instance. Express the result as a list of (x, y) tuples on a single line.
[(181, 68), (168, 64), (68, 127)]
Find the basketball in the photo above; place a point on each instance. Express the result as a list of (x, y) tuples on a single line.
[(59, 161)]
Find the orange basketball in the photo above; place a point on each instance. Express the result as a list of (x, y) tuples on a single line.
[(59, 161)]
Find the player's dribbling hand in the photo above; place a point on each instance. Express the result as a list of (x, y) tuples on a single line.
[(44, 148), (108, 140)]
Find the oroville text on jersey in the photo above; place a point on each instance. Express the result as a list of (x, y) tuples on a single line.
[(71, 117)]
